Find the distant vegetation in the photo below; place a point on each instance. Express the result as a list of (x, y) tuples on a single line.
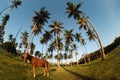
[(96, 54)]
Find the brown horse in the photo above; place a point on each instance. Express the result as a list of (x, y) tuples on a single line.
[(37, 63)]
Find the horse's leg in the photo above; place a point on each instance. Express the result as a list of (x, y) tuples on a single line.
[(44, 71), (34, 71), (47, 70)]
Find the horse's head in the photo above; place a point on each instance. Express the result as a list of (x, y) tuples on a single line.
[(25, 57)]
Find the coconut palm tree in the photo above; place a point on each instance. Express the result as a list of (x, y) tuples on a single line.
[(37, 53), (73, 10), (10, 37), (15, 4), (83, 44), (45, 38), (5, 19), (24, 38), (32, 48), (42, 41), (70, 56), (68, 36), (91, 35), (39, 21), (56, 29), (2, 26), (65, 57), (51, 48), (74, 47)]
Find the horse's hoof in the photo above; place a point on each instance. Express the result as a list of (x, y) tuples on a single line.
[(34, 76), (48, 74), (44, 75)]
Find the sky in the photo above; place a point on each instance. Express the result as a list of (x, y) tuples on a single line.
[(104, 14)]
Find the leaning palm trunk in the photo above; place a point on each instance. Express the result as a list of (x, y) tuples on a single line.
[(99, 40), (34, 28), (4, 10)]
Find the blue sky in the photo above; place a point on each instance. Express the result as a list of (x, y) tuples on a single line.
[(104, 14)]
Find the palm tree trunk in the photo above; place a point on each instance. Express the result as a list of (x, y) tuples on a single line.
[(76, 58), (83, 54), (57, 48), (29, 42), (30, 37), (99, 40), (4, 10)]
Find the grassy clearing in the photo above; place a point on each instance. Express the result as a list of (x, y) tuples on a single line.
[(12, 68)]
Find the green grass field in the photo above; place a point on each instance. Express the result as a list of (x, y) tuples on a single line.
[(12, 68)]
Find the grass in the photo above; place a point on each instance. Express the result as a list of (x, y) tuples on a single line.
[(12, 68)]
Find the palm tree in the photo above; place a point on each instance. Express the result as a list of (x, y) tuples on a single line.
[(70, 56), (32, 48), (51, 48), (42, 41), (56, 29), (2, 26), (10, 37), (39, 20), (37, 53), (5, 19), (91, 35), (65, 57), (73, 10), (74, 47), (83, 44), (68, 36), (15, 4), (24, 38), (45, 38)]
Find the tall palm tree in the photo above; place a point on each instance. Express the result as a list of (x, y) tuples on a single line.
[(91, 35), (2, 26), (84, 43), (10, 37), (73, 10), (47, 36), (24, 38), (68, 36), (39, 21), (37, 53), (51, 48), (15, 4), (5, 19), (42, 41), (32, 48), (56, 29), (74, 47), (65, 57)]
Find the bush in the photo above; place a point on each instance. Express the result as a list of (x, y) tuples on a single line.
[(9, 47)]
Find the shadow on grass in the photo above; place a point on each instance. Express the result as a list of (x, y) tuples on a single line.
[(81, 77)]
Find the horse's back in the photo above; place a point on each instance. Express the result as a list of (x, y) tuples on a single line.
[(41, 62)]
